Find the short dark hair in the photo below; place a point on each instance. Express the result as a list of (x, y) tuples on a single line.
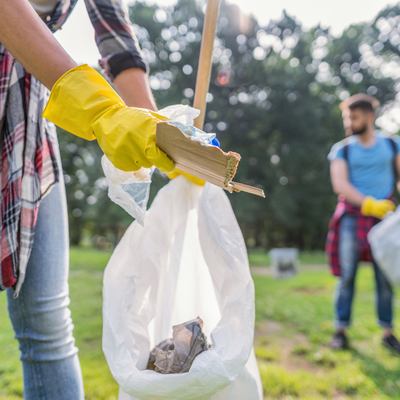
[(363, 105), (360, 101)]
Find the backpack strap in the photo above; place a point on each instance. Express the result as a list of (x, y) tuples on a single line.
[(394, 148), (346, 152), (346, 155)]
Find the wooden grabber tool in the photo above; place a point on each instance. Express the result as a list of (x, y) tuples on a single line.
[(209, 163)]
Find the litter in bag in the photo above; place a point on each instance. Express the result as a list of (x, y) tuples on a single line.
[(384, 239), (176, 355)]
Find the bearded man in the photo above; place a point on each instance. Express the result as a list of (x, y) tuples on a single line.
[(363, 168)]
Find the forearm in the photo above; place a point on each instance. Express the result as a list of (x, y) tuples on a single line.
[(350, 193), (133, 87), (31, 43)]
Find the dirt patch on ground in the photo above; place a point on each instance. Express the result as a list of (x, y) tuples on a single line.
[(261, 271), (292, 362), (269, 334), (310, 290), (267, 328)]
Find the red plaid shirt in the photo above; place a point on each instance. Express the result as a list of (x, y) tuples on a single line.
[(29, 166), (364, 225)]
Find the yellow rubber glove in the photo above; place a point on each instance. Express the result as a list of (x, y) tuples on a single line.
[(376, 208), (193, 179), (83, 103)]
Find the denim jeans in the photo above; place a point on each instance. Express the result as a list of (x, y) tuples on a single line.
[(349, 259), (40, 315)]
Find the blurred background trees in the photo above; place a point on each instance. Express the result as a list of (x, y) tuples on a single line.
[(273, 98)]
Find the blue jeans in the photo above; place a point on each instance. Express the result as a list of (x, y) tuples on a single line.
[(349, 258), (40, 315)]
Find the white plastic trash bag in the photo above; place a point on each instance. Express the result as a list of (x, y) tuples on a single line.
[(188, 260), (384, 239), (130, 190)]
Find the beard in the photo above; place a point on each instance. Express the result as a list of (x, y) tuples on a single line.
[(360, 130)]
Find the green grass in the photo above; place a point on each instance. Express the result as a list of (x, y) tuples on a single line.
[(293, 327), (86, 281), (260, 258), (294, 316)]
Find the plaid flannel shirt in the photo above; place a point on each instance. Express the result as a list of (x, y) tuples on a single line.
[(364, 225), (114, 35), (29, 166)]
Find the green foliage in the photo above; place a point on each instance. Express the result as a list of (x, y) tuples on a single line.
[(279, 110)]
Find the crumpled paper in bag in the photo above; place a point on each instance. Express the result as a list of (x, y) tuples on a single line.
[(176, 355)]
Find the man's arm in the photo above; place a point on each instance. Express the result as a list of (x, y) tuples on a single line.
[(31, 43), (341, 183)]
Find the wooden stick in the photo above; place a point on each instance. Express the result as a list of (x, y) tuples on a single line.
[(241, 187), (205, 60), (203, 82), (204, 162)]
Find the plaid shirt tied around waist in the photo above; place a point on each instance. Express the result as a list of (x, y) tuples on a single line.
[(29, 165), (364, 225)]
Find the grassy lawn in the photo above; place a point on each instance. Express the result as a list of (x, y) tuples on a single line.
[(259, 258), (292, 329), (86, 281)]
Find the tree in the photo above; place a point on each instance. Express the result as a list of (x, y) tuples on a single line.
[(279, 110)]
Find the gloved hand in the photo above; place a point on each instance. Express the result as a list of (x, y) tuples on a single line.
[(83, 103), (376, 208)]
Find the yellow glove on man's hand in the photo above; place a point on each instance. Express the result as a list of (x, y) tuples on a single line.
[(376, 208), (83, 103)]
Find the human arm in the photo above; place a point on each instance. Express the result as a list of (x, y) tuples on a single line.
[(122, 60), (342, 186), (341, 183), (133, 87), (32, 44)]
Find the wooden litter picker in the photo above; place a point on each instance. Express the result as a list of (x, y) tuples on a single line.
[(209, 163)]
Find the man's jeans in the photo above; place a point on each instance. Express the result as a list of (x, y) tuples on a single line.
[(349, 259), (40, 315)]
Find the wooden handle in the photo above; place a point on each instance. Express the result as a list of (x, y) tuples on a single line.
[(205, 60)]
